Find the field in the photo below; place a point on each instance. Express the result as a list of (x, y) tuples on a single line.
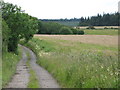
[(101, 32), (76, 62), (98, 27), (93, 39)]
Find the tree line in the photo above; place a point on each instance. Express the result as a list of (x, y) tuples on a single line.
[(56, 28), (16, 25), (72, 19), (101, 20)]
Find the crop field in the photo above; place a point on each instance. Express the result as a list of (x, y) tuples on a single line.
[(101, 32), (98, 27), (79, 61), (93, 39)]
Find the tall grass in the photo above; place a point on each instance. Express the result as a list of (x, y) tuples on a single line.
[(75, 65), (0, 72), (9, 62)]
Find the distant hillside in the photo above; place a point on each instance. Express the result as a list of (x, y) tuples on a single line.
[(98, 20), (68, 22), (101, 20)]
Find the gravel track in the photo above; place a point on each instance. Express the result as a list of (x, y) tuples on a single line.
[(45, 79), (21, 77)]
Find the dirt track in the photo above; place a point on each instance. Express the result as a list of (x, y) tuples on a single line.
[(45, 79), (106, 40), (21, 78)]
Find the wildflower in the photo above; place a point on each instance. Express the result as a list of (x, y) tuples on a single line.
[(108, 69), (116, 73), (106, 77), (101, 66), (111, 74)]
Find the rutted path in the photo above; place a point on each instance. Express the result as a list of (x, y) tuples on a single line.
[(21, 78), (45, 79)]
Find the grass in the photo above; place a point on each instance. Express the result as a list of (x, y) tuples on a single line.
[(101, 32), (0, 72), (78, 65), (9, 63), (33, 81)]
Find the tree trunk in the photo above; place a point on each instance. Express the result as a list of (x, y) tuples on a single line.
[(13, 44)]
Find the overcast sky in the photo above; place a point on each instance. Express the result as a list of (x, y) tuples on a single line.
[(54, 9)]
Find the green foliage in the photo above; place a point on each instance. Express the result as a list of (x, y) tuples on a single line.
[(75, 31), (55, 28), (65, 31), (22, 26), (5, 35), (80, 32), (49, 28)]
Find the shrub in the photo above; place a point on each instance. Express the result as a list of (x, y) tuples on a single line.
[(105, 27), (65, 31), (75, 31), (5, 35), (81, 32), (90, 27)]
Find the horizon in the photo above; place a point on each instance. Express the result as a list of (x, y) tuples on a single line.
[(77, 18), (62, 9)]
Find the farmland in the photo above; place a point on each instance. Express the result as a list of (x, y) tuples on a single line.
[(77, 63), (101, 32), (101, 39), (57, 53)]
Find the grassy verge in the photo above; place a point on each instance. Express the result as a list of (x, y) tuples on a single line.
[(33, 81), (9, 62), (101, 32), (78, 65), (0, 72)]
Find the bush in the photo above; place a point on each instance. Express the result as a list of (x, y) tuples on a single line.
[(105, 28), (65, 31), (5, 35), (75, 31), (81, 32), (90, 27)]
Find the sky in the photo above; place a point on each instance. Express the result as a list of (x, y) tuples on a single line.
[(56, 9)]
